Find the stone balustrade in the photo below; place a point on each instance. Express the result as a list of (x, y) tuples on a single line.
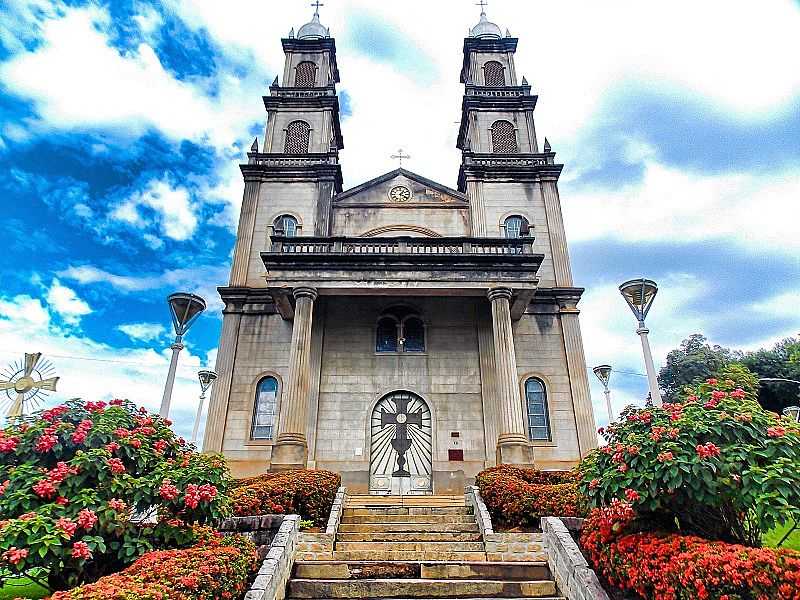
[(402, 245)]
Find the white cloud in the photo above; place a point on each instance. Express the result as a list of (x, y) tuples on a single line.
[(66, 303), (172, 205), (144, 332)]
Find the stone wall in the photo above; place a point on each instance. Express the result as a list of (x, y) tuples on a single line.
[(319, 546), (260, 528), (472, 496), (270, 582), (575, 579)]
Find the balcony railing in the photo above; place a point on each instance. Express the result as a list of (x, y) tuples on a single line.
[(295, 92), (291, 160), (498, 92), (445, 246), (510, 160)]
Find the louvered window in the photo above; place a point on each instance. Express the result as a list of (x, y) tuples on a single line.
[(305, 75), (504, 138), (297, 137), (494, 74)]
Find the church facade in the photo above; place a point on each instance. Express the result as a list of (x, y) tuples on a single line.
[(403, 333)]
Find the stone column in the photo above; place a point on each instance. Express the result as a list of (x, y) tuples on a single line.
[(512, 443), (244, 236), (220, 393), (558, 239), (578, 378), (291, 448), (477, 208)]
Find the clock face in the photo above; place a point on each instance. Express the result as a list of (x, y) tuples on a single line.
[(400, 193)]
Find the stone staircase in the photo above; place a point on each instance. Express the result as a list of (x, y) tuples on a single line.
[(415, 547)]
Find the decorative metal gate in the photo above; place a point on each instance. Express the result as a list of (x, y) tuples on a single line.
[(400, 447)]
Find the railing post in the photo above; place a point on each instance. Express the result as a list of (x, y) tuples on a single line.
[(466, 248), (277, 244), (527, 245), (402, 246), (337, 245)]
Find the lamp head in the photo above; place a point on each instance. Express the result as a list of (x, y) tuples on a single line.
[(793, 412), (185, 308), (639, 294), (603, 373)]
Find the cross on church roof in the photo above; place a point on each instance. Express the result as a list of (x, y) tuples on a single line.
[(317, 4), (483, 5), (400, 156)]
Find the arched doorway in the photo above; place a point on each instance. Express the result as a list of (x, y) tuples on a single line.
[(400, 445)]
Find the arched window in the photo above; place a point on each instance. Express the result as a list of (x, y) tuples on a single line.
[(305, 74), (400, 329), (536, 402), (516, 226), (504, 138), (494, 74), (297, 137), (264, 409), (285, 225)]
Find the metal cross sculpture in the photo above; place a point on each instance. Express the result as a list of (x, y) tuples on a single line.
[(400, 156), (401, 443), (26, 382), (316, 6), (483, 5)]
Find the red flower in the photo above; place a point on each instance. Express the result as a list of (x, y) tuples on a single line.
[(45, 489), (61, 501), (116, 465), (8, 444), (594, 484), (27, 516), (665, 457), (14, 555), (160, 446), (117, 402), (86, 519), (776, 431), (631, 495), (112, 447), (4, 486), (80, 550), (68, 526), (738, 393), (117, 505), (121, 432), (711, 381), (168, 491), (96, 406), (623, 468), (45, 443), (135, 442), (53, 414), (707, 450)]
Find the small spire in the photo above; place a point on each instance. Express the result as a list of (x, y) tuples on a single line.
[(275, 83), (254, 146), (291, 33), (508, 33), (547, 147), (327, 32), (525, 80)]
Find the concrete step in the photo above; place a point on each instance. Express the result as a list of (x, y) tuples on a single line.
[(419, 588), (422, 570), (408, 555), (408, 510), (410, 536), (539, 598), (369, 500), (408, 528), (410, 546), (408, 519)]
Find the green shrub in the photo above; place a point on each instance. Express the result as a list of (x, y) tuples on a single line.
[(716, 465)]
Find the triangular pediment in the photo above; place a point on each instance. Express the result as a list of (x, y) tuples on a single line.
[(400, 187)]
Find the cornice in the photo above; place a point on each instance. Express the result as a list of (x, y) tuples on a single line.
[(297, 167), (508, 167), (314, 45)]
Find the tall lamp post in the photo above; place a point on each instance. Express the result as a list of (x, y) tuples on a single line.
[(603, 373), (206, 379), (639, 294), (185, 309)]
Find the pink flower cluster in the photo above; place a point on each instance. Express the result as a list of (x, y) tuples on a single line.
[(67, 526), (707, 450), (195, 494), (117, 402), (776, 431), (631, 495), (116, 465), (47, 487), (87, 519), (47, 440), (665, 457), (117, 505), (96, 406), (15, 555), (4, 486), (8, 443), (81, 431), (51, 416), (80, 550), (168, 491), (160, 446)]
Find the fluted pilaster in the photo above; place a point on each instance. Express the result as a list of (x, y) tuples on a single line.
[(291, 447), (220, 393), (244, 237), (512, 444), (558, 238)]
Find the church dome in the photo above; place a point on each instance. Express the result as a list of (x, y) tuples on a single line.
[(313, 29), (485, 29)]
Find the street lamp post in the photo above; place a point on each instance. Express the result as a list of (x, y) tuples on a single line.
[(185, 308), (603, 373), (639, 294), (206, 379)]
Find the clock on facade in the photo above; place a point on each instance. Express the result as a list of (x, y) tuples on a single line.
[(400, 193)]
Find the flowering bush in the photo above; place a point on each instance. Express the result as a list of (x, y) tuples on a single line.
[(305, 492), (518, 497), (219, 568), (716, 465), (668, 566), (86, 488)]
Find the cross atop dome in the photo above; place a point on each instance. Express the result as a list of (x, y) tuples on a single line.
[(485, 28), (314, 29)]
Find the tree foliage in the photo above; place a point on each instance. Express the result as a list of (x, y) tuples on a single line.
[(694, 361), (87, 488)]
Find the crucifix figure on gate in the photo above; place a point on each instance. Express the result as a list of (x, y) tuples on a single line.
[(401, 419)]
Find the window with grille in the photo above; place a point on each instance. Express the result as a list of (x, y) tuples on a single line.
[(400, 329), (538, 418), (264, 409), (305, 75), (297, 137), (286, 225), (516, 227), (504, 138), (494, 74)]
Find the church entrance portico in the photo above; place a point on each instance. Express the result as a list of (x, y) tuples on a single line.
[(401, 450)]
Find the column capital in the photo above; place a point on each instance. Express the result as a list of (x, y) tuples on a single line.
[(305, 292), (499, 293)]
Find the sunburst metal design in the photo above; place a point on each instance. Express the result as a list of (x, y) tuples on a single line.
[(26, 384)]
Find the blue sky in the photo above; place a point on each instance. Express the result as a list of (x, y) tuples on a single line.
[(122, 124)]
